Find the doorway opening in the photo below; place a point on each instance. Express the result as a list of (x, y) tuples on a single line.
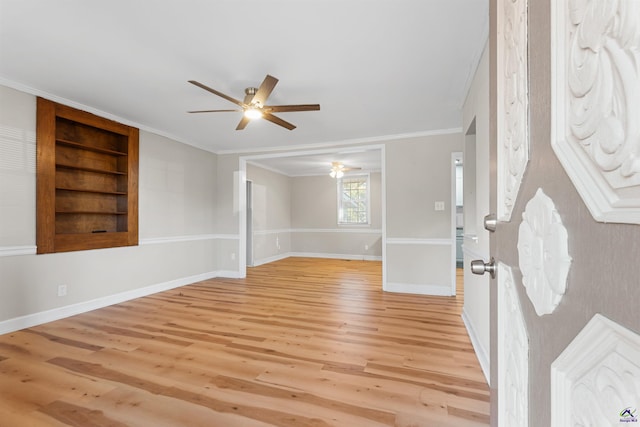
[(458, 211), (469, 183), (249, 228), (282, 225)]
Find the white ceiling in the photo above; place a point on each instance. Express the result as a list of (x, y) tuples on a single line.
[(378, 68), (358, 159)]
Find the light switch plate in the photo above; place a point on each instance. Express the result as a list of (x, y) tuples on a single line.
[(439, 206)]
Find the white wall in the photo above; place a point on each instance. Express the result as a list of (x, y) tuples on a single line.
[(476, 311), (177, 193)]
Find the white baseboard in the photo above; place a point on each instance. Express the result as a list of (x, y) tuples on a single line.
[(315, 255), (481, 352), (229, 274), (30, 320), (270, 259), (353, 257), (420, 289)]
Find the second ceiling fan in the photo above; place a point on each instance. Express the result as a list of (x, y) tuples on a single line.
[(254, 104)]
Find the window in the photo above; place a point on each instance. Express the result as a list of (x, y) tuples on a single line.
[(353, 200)]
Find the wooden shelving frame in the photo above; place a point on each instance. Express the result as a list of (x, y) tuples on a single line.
[(87, 180)]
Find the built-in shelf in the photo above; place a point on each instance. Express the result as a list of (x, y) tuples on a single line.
[(86, 169), (84, 147), (87, 180), (91, 212), (80, 190)]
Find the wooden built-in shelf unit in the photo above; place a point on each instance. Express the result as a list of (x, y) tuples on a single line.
[(87, 180)]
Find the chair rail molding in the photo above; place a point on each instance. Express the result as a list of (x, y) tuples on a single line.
[(596, 379), (595, 131), (17, 250), (543, 253), (513, 102), (418, 241), (188, 238), (357, 230), (513, 354)]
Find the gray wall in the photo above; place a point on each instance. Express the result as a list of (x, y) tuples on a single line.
[(604, 273), (419, 173), (228, 204), (177, 196), (314, 214), (271, 214), (419, 239), (315, 202), (298, 216), (190, 223)]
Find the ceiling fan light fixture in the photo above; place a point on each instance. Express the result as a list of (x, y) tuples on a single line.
[(337, 170), (253, 113)]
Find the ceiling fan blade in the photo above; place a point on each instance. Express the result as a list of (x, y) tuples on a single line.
[(277, 120), (244, 121), (264, 90), (215, 92), (212, 111), (300, 107)]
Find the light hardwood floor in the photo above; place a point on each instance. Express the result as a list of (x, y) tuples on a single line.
[(299, 342)]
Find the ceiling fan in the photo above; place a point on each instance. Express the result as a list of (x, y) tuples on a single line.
[(338, 169), (254, 104)]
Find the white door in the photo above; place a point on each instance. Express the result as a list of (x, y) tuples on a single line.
[(565, 348)]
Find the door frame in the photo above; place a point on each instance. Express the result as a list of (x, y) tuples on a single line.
[(240, 190), (249, 223), (456, 156)]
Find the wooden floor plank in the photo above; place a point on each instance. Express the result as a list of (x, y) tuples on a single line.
[(74, 415), (299, 342)]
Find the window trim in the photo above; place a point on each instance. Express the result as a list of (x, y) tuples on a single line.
[(339, 200)]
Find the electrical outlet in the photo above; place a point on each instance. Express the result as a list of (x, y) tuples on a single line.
[(366, 247), (233, 256), (439, 206), (62, 290)]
